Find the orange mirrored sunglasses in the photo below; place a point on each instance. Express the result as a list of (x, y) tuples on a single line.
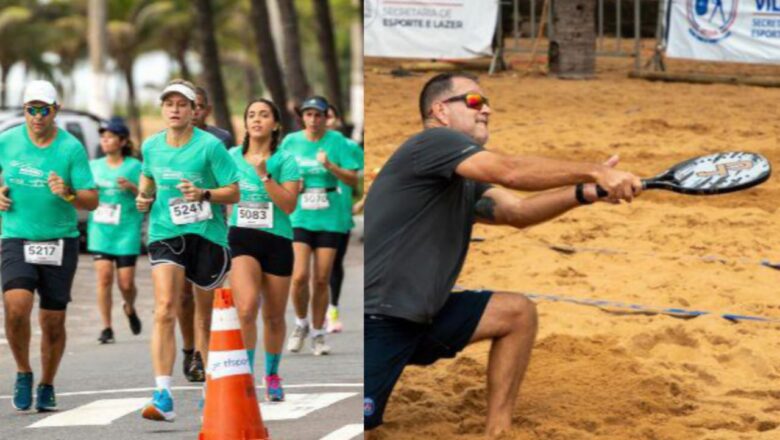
[(473, 100)]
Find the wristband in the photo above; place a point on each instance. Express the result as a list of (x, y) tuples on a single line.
[(579, 193)]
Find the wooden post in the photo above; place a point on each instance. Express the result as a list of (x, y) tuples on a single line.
[(573, 47)]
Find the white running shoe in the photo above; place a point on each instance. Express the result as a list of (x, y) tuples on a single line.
[(297, 338), (318, 346)]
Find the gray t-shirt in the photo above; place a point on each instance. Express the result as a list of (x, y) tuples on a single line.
[(419, 216), (222, 135)]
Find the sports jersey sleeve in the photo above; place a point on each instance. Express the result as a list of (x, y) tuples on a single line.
[(80, 171), (134, 175), (289, 170), (358, 154), (146, 168), (222, 165), (343, 155), (441, 150)]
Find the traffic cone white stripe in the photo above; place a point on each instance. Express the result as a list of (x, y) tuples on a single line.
[(224, 319), (228, 363)]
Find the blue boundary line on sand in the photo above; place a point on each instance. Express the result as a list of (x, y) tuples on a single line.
[(629, 308)]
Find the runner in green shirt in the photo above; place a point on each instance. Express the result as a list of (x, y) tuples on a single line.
[(334, 122), (318, 220), (114, 229), (47, 177), (185, 172), (261, 236)]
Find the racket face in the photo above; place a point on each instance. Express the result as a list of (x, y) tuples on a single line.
[(714, 174)]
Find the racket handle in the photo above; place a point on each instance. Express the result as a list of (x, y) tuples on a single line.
[(601, 192)]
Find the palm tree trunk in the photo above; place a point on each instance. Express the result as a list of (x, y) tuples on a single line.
[(328, 51), (4, 85), (299, 87), (132, 107), (272, 74), (211, 65), (182, 62)]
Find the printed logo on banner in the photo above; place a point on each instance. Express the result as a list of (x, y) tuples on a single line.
[(370, 11), (711, 20)]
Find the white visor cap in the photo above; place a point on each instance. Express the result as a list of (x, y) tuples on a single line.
[(181, 89)]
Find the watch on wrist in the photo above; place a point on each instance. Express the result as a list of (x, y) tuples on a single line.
[(69, 196), (266, 178), (206, 195)]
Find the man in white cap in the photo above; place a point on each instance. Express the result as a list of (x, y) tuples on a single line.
[(185, 171), (47, 177)]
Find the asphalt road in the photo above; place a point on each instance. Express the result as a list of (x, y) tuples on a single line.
[(101, 388)]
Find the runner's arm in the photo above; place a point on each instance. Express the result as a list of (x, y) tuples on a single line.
[(528, 173), (86, 199), (146, 186), (349, 177), (284, 195), (502, 207), (225, 195)]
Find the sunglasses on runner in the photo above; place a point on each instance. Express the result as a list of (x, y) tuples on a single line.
[(473, 100), (43, 111)]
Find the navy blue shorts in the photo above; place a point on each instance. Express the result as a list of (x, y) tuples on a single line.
[(393, 343)]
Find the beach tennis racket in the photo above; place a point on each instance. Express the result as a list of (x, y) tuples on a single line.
[(718, 173)]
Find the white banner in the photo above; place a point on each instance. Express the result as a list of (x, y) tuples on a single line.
[(431, 29), (743, 31)]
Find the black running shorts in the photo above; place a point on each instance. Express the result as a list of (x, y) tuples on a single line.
[(274, 253), (53, 283), (205, 263)]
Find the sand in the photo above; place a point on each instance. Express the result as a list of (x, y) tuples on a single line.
[(594, 374)]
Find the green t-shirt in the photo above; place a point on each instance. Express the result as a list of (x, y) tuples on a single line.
[(36, 213), (315, 176), (203, 161), (346, 191), (115, 227), (283, 168)]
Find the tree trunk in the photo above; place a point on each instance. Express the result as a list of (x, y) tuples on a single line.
[(184, 71), (132, 108), (211, 65), (299, 87), (4, 85), (272, 74), (572, 52), (328, 51)]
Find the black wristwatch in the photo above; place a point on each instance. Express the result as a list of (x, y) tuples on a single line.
[(266, 178), (206, 195)]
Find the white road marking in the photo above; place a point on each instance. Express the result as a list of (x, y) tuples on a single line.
[(194, 388), (99, 412), (296, 406), (346, 432)]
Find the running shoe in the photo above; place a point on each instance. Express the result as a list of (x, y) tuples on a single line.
[(106, 336), (273, 388), (196, 372), (187, 363), (334, 325), (135, 323), (318, 346), (297, 338), (23, 391), (160, 408), (44, 398)]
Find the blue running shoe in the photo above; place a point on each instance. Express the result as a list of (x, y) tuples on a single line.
[(160, 408), (23, 391), (44, 398), (273, 388)]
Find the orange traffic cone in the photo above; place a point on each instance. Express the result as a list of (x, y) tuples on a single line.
[(231, 411)]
